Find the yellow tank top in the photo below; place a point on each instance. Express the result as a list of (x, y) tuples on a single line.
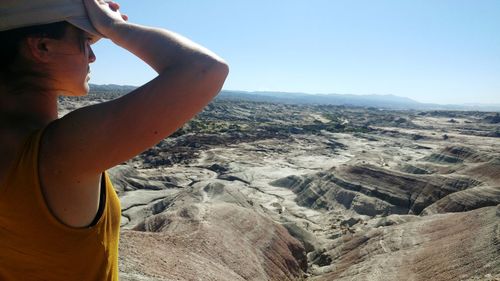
[(35, 245)]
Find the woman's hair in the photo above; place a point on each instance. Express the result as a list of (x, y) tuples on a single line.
[(10, 41)]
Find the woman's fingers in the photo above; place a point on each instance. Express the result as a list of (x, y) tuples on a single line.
[(114, 6), (104, 15)]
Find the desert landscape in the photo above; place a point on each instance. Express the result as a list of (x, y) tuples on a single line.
[(256, 190)]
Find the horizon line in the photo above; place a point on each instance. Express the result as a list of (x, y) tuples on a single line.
[(330, 93)]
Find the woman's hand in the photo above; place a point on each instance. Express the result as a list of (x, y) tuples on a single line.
[(104, 15)]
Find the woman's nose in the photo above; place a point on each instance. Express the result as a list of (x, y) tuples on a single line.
[(92, 56)]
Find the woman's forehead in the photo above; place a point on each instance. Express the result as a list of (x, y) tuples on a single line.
[(80, 33)]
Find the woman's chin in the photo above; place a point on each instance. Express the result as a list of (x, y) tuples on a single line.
[(83, 91), (86, 87)]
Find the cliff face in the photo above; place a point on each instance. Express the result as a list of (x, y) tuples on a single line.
[(438, 247), (369, 190), (212, 241)]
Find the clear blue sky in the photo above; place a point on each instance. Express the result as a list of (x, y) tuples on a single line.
[(440, 51)]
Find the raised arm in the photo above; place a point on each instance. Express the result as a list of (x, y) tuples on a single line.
[(77, 148), (101, 136)]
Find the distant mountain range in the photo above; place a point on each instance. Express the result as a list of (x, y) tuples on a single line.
[(378, 101), (111, 88)]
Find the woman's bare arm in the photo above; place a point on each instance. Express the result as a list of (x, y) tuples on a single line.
[(87, 141), (107, 134)]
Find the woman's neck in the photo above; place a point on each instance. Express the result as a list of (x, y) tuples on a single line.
[(27, 107)]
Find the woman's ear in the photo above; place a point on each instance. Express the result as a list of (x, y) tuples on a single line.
[(37, 48)]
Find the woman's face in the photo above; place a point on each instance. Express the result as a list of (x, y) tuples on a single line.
[(70, 60)]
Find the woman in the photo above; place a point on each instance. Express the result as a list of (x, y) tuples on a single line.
[(59, 215)]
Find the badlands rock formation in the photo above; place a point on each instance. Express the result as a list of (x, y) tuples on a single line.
[(262, 191), (437, 247)]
